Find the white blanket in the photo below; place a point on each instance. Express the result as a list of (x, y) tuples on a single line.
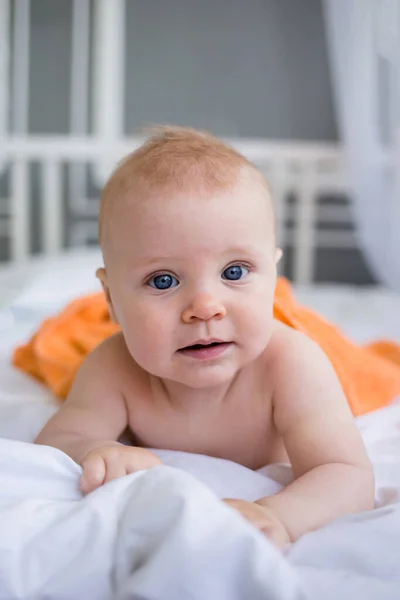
[(164, 534)]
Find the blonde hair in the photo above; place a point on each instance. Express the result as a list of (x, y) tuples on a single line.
[(176, 158)]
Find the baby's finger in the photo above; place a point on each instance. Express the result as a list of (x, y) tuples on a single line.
[(281, 539), (94, 472), (141, 459), (277, 535), (114, 469)]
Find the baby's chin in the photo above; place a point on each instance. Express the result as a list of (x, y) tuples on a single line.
[(207, 377)]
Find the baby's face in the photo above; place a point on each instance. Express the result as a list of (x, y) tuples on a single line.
[(192, 282)]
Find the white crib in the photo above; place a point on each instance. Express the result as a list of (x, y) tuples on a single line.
[(304, 170)]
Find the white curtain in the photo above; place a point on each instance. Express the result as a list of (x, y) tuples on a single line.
[(364, 51)]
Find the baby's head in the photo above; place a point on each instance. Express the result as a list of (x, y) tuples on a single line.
[(187, 232)]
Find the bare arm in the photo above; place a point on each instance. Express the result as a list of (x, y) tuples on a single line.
[(93, 417), (333, 475), (94, 414)]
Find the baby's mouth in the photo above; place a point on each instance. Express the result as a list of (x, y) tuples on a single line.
[(206, 350), (200, 346)]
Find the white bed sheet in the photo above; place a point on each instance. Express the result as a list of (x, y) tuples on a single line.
[(164, 534)]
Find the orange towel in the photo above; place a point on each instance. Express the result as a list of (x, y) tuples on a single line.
[(370, 375)]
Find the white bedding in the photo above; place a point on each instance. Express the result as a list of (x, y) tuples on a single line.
[(164, 534)]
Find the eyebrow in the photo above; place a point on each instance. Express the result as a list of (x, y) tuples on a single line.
[(247, 250), (147, 261)]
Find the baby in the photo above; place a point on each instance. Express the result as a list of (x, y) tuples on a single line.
[(187, 233)]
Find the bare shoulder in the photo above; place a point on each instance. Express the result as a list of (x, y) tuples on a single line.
[(289, 349), (105, 371), (303, 379), (106, 358), (112, 353)]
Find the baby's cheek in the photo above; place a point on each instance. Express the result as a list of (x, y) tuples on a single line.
[(148, 336), (258, 319)]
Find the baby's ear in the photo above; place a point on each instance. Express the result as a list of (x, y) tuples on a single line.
[(278, 255), (102, 275)]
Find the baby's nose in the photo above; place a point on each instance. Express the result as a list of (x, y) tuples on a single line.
[(203, 307)]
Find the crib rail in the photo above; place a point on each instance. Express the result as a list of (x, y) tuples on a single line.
[(300, 170)]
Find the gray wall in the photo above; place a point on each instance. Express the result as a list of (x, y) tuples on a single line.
[(237, 67), (246, 68), (252, 68)]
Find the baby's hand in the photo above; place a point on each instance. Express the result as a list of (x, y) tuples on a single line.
[(112, 461), (264, 519)]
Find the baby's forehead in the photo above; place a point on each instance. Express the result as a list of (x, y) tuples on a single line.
[(190, 207), (133, 201)]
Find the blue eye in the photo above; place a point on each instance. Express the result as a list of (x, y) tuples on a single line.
[(163, 281), (235, 272)]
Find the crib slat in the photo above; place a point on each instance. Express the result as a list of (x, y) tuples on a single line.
[(19, 211), (52, 213), (304, 233), (79, 97), (109, 65)]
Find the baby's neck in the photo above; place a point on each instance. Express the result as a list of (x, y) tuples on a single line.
[(185, 398)]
